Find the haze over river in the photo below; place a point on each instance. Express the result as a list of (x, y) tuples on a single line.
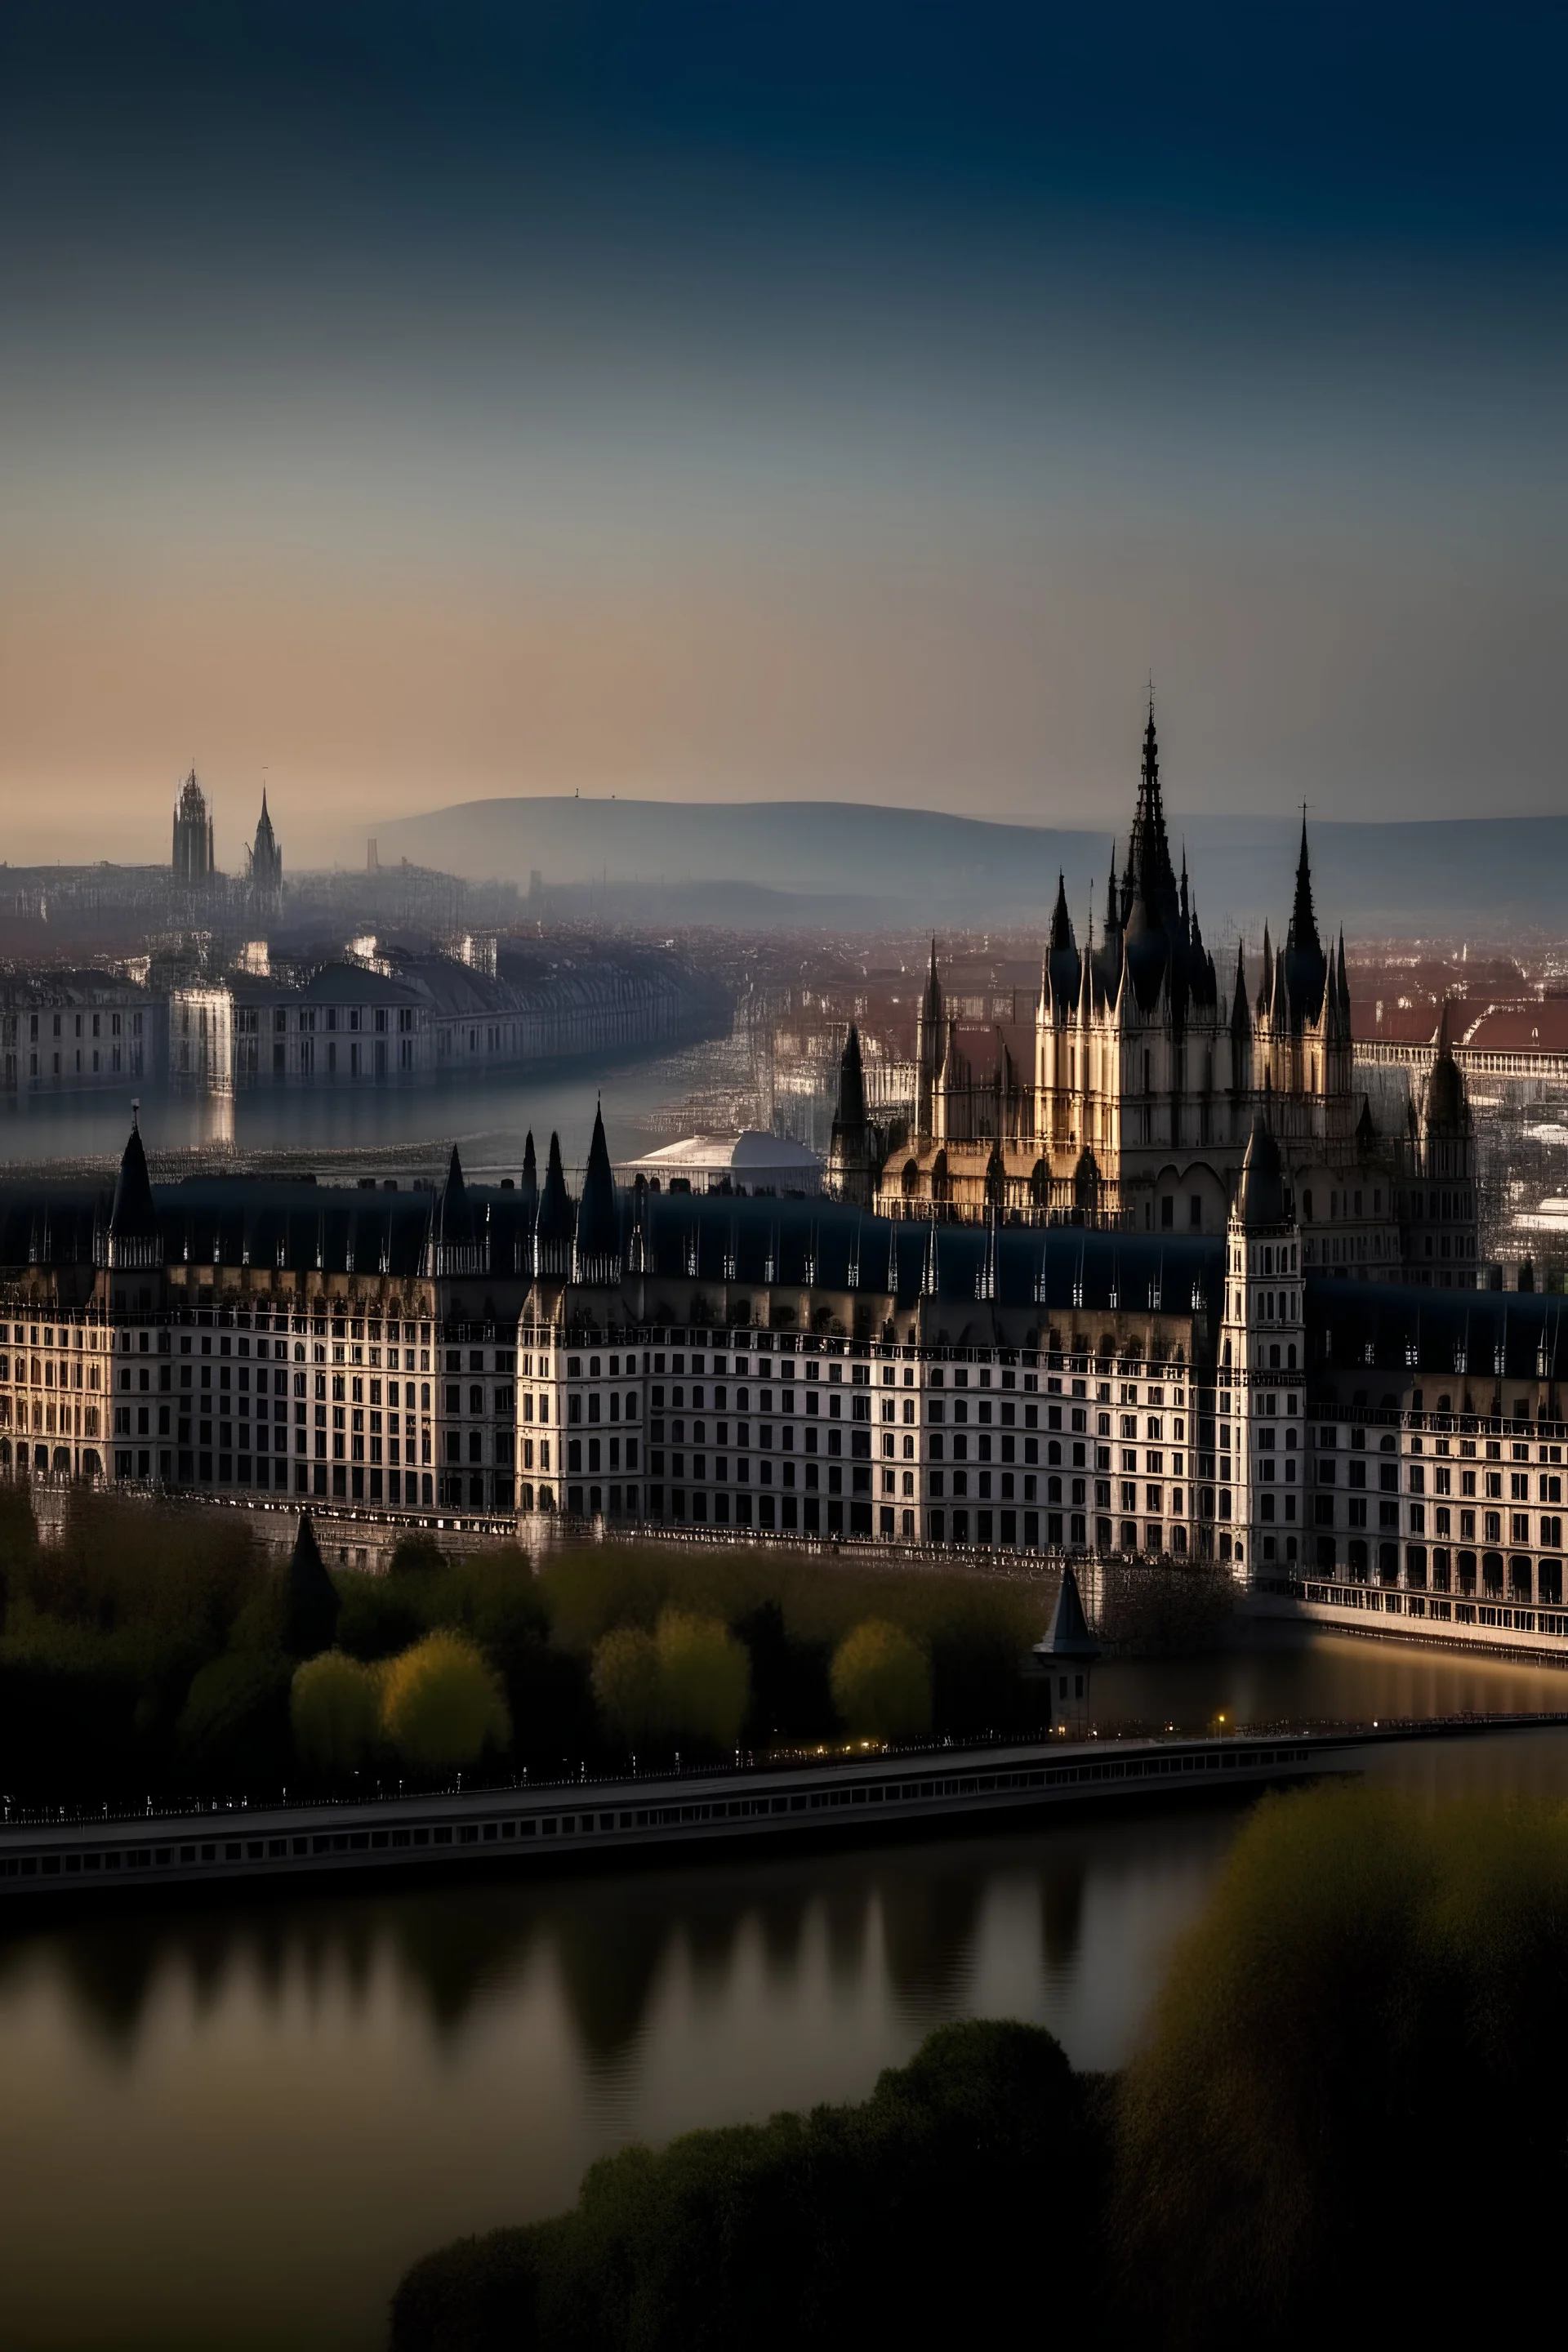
[(233, 2123)]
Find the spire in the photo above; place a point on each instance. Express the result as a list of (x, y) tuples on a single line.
[(132, 1215), (555, 1220), (454, 1217), (851, 1084), (1112, 908), (1062, 964), (1061, 919), (1267, 973), (528, 1188), (1240, 1018), (598, 1236), (1303, 931), (931, 1003)]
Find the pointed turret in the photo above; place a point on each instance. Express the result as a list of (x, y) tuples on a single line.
[(1261, 1195), (1261, 1006), (454, 1213), (851, 1083), (131, 1216), (597, 1254), (312, 1606), (528, 1191), (554, 1227), (1063, 966), (1305, 968)]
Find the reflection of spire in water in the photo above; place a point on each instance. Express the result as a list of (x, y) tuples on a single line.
[(846, 1909), (610, 1945), (930, 1911)]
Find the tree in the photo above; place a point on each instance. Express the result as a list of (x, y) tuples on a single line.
[(628, 1685), (334, 1707), (881, 1682), (706, 1678), (442, 1707)]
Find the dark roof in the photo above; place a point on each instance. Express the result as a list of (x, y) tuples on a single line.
[(1397, 1330), (1069, 1636)]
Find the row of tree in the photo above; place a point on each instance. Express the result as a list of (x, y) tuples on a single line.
[(151, 1651)]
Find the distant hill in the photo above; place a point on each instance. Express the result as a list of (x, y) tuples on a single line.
[(769, 862)]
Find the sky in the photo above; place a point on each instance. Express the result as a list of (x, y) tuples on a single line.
[(414, 403)]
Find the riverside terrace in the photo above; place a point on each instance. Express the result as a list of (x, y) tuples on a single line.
[(782, 1366)]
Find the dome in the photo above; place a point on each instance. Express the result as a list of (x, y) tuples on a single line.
[(1260, 1196)]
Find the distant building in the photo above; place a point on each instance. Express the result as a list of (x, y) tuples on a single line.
[(265, 866), (748, 1162), (193, 863), (64, 1030)]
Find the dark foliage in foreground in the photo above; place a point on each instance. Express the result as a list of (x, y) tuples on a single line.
[(1347, 2125), (900, 2221)]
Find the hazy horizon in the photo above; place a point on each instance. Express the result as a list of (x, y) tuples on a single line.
[(446, 405)]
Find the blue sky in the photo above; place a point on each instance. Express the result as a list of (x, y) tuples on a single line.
[(724, 402)]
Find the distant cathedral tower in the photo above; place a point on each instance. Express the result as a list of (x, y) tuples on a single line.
[(265, 864), (192, 863)]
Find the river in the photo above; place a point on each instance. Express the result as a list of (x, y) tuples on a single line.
[(233, 2123), (489, 1121)]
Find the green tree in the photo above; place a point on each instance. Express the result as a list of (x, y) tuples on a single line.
[(881, 1682), (628, 1685), (334, 1708), (705, 1676), (441, 1704)]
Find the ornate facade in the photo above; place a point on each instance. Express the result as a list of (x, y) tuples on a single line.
[(1149, 1071)]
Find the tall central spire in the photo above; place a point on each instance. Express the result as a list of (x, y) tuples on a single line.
[(1150, 870)]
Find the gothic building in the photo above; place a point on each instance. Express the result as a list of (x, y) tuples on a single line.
[(1149, 1071), (799, 1367), (266, 874), (194, 864)]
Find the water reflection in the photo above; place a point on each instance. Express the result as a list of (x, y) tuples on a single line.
[(257, 2113), (1062, 1892), (489, 1121)]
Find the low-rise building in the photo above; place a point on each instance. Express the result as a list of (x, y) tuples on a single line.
[(61, 1031)]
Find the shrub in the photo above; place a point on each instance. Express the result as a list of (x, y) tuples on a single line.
[(910, 2218), (628, 1685), (881, 1683), (705, 1677), (441, 1704), (417, 1554), (235, 1718), (335, 1706)]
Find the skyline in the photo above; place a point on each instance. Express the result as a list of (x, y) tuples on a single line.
[(461, 408)]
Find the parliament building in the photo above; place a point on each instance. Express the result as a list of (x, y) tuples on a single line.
[(1150, 1066)]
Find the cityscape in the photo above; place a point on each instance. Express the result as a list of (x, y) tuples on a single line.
[(784, 1174)]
